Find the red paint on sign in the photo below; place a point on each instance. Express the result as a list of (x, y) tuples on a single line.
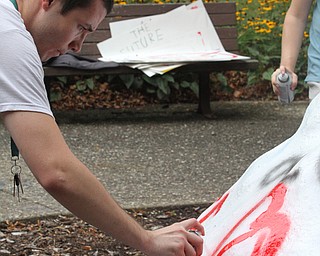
[(202, 40)]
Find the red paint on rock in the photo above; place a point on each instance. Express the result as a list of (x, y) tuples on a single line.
[(271, 226)]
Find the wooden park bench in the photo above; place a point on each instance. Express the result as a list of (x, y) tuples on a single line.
[(223, 16)]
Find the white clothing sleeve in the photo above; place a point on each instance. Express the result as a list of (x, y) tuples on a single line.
[(22, 85)]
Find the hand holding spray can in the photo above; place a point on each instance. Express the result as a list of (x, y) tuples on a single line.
[(286, 94)]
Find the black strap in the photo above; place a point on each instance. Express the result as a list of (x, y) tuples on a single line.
[(14, 150)]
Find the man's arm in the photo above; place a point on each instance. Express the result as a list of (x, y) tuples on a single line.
[(71, 183)]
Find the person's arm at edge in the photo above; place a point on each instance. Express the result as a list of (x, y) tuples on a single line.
[(292, 36), (75, 187)]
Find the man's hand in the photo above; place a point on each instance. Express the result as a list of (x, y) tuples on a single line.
[(176, 240)]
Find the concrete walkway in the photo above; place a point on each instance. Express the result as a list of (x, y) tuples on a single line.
[(157, 156)]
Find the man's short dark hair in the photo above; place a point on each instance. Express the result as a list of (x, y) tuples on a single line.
[(68, 5)]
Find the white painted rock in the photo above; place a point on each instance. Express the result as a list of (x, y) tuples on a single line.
[(274, 208)]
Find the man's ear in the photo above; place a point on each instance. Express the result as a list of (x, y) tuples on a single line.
[(46, 4)]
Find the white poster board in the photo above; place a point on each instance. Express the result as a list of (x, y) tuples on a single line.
[(182, 35)]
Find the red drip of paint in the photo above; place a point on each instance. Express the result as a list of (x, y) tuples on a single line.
[(215, 209), (202, 40)]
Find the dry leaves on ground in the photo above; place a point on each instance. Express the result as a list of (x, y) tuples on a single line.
[(68, 235)]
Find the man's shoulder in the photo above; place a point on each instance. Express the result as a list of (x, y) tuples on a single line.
[(10, 18)]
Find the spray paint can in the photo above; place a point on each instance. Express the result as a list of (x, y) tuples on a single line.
[(286, 94)]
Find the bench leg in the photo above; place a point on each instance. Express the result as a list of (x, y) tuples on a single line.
[(204, 94)]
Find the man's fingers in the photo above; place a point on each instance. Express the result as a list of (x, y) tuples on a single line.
[(193, 224), (189, 250), (196, 241), (194, 231)]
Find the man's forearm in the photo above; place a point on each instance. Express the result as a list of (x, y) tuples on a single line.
[(86, 197)]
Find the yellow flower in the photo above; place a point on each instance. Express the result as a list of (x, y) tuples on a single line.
[(267, 8), (271, 24), (263, 30)]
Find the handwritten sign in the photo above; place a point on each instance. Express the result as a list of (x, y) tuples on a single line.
[(183, 35), (177, 32), (144, 37)]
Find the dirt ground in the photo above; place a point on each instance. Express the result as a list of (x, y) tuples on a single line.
[(68, 235)]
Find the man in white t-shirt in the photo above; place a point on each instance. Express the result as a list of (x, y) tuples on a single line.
[(31, 32)]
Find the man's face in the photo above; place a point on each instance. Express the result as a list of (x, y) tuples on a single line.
[(55, 34)]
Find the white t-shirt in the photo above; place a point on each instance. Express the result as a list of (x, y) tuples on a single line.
[(22, 85)]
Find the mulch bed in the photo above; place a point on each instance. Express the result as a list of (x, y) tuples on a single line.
[(105, 96), (68, 235)]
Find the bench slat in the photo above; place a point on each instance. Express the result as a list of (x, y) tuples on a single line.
[(138, 10), (99, 35), (224, 19)]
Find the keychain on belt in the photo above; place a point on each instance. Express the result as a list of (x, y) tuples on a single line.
[(16, 170)]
